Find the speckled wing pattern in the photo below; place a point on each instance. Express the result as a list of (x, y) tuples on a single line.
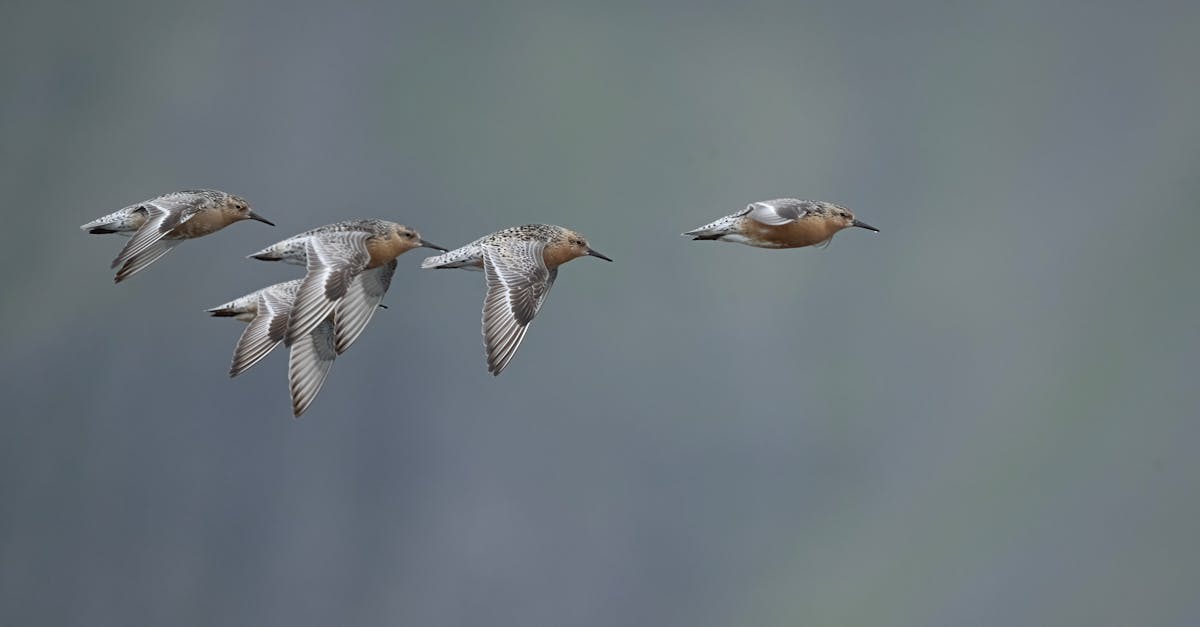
[(776, 212), (333, 261), (363, 296), (309, 363), (264, 332), (147, 244), (517, 284)]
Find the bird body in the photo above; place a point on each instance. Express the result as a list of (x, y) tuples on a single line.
[(349, 268), (520, 264), (385, 240), (157, 225), (558, 247), (267, 312), (781, 223)]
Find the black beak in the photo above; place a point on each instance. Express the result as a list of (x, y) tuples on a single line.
[(863, 225), (428, 244), (255, 216), (592, 253)]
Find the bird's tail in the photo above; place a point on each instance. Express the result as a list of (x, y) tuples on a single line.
[(124, 222), (273, 252), (713, 230), (290, 250), (465, 257), (243, 308), (267, 254)]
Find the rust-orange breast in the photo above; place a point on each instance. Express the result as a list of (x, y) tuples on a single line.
[(203, 223), (555, 255), (803, 232)]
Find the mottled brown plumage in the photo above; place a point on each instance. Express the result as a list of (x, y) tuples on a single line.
[(520, 264), (350, 265), (157, 225)]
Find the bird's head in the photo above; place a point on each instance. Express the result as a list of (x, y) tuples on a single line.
[(239, 209)]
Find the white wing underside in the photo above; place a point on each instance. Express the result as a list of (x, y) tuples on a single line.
[(264, 332), (333, 262), (517, 284), (147, 244), (309, 363), (362, 299)]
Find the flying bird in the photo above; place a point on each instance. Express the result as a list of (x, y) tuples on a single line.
[(266, 311), (520, 265), (781, 223), (349, 268), (157, 225)]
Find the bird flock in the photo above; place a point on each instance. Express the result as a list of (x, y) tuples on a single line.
[(349, 266)]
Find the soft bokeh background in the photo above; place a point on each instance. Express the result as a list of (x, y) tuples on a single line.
[(985, 415)]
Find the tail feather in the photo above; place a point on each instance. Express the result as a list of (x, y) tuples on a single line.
[(244, 308), (713, 230), (290, 250), (124, 221), (465, 257)]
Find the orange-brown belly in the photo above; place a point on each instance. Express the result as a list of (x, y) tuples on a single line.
[(202, 224), (803, 232)]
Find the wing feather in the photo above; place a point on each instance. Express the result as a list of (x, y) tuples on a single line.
[(355, 309), (145, 257), (333, 260), (162, 214), (263, 333), (517, 282), (776, 212), (309, 363)]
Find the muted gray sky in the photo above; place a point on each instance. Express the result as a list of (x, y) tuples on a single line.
[(983, 415)]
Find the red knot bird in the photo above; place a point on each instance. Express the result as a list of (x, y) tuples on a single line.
[(267, 311), (157, 225), (520, 264), (349, 268), (781, 223)]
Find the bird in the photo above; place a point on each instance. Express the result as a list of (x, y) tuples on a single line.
[(349, 267), (520, 264), (781, 223), (157, 225), (267, 311)]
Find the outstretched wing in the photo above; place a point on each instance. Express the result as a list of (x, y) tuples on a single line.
[(517, 284), (333, 261), (308, 365), (777, 212), (263, 333), (147, 244), (354, 310)]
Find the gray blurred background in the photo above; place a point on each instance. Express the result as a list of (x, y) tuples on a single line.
[(983, 415)]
